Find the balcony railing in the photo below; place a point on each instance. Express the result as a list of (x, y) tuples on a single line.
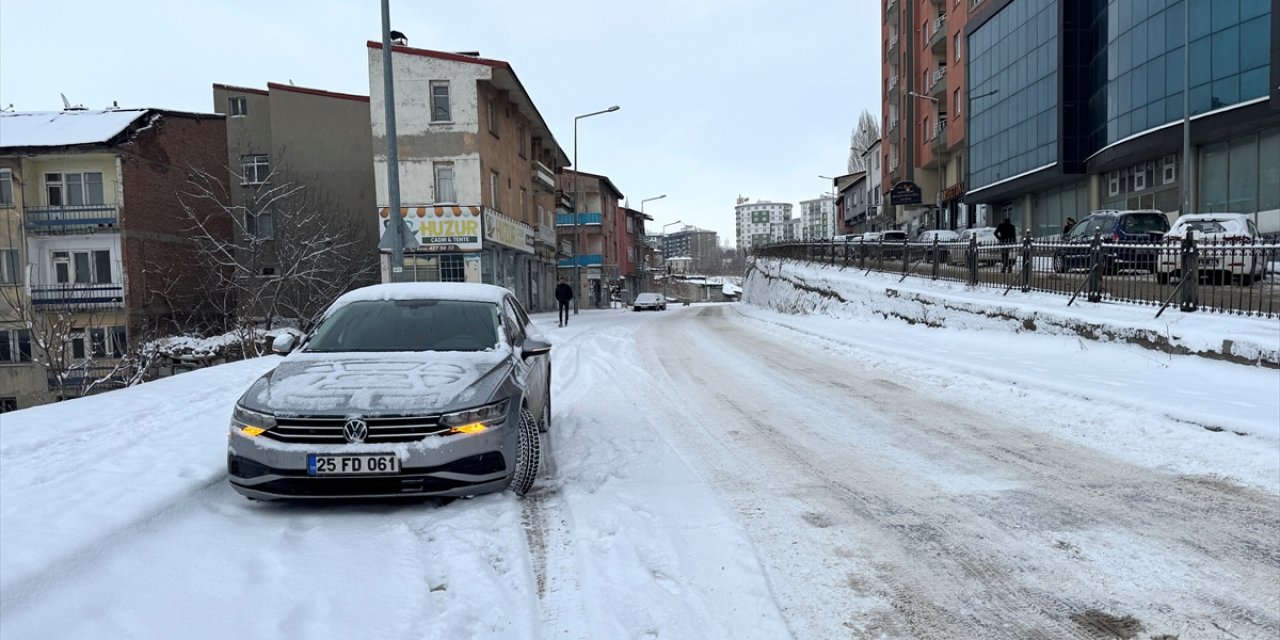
[(71, 218), (589, 217), (543, 177), (83, 296), (938, 37), (584, 260)]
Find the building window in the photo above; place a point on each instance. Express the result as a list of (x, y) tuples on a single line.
[(15, 345), (493, 190), (78, 350), (444, 182), (82, 267), (239, 106), (1140, 179), (440, 101), (108, 342), (452, 268), (524, 215), (524, 143), (259, 225), (10, 267), (255, 168), (1113, 184), (1170, 169), (6, 188), (493, 115), (955, 44), (63, 189)]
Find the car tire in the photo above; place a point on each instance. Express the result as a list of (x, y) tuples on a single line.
[(528, 451), (1246, 280), (544, 425), (636, 309), (1162, 277)]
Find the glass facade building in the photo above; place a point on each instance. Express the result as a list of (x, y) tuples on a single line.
[(1013, 79), (1138, 64), (1080, 104)]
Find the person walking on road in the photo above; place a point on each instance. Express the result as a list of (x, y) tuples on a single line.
[(564, 294), (1006, 234)]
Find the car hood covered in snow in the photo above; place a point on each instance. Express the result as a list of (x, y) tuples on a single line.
[(378, 383)]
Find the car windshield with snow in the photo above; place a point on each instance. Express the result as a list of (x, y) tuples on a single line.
[(402, 390)]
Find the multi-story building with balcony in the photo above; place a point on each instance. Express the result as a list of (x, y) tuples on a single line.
[(478, 168), (1077, 106), (818, 218), (760, 223), (592, 228), (634, 253), (924, 134), (93, 255)]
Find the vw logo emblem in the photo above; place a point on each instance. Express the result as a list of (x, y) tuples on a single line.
[(355, 430)]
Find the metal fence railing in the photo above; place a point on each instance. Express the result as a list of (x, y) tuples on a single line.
[(1218, 277)]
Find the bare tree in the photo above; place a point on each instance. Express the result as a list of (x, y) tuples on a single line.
[(865, 133), (291, 253)]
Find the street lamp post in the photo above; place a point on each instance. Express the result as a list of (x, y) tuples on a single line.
[(642, 208), (577, 277), (666, 278), (833, 200), (937, 156)]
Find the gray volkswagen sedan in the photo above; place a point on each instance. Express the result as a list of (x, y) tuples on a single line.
[(406, 389)]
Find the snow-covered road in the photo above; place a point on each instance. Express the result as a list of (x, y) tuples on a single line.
[(720, 471)]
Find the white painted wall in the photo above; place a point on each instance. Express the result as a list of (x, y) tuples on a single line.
[(413, 75)]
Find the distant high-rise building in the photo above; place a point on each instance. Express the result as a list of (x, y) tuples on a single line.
[(817, 218), (760, 223)]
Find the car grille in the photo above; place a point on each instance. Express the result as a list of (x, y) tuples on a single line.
[(381, 430)]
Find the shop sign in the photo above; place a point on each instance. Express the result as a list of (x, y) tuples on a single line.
[(502, 230), (905, 192), (440, 228)]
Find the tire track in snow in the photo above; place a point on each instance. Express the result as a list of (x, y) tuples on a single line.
[(929, 535)]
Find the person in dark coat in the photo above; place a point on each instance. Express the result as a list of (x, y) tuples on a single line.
[(564, 293), (1066, 228), (1006, 234)]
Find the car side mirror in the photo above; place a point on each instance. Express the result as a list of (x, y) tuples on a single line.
[(534, 347), (283, 344)]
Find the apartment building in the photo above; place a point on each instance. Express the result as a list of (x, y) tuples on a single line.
[(478, 168), (924, 95), (762, 222), (634, 253), (93, 253), (700, 246), (818, 218), (851, 202), (317, 145), (592, 228)]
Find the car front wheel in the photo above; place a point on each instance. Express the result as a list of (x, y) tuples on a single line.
[(528, 452)]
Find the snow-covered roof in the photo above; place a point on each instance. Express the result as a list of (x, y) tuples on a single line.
[(63, 128)]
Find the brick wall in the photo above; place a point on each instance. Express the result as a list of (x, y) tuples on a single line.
[(157, 249)]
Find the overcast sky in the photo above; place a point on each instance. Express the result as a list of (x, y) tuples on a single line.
[(719, 97)]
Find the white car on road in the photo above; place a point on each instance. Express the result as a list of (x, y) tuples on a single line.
[(653, 301)]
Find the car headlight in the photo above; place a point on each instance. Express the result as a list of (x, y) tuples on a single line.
[(249, 422), (477, 419)]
